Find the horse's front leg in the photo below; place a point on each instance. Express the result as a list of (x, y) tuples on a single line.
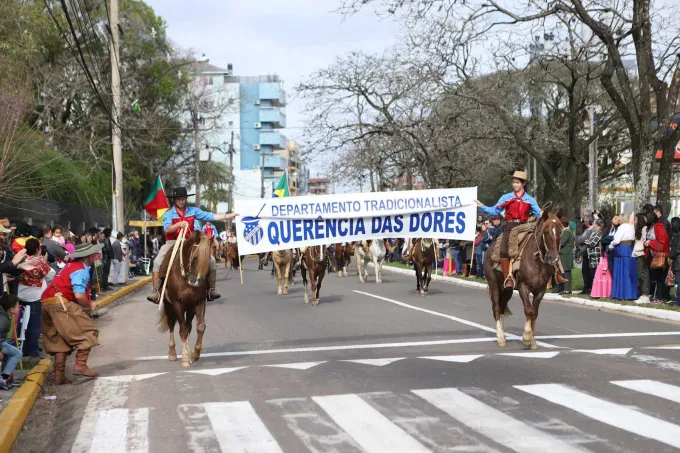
[(315, 295), (359, 268), (428, 278), (172, 351), (377, 270), (528, 335), (286, 278), (200, 330), (538, 297), (279, 290)]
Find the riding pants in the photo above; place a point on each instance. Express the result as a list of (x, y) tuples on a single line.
[(505, 238), (167, 247)]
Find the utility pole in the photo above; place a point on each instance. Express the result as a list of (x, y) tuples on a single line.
[(197, 168), (592, 162), (262, 176), (231, 178), (118, 218), (333, 178)]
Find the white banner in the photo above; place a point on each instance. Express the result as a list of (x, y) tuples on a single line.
[(283, 223)]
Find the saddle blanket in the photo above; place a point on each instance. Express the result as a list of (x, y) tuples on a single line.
[(518, 237)]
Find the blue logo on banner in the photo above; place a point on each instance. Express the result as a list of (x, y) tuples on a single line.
[(253, 232)]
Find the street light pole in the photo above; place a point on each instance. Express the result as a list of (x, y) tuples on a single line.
[(592, 162), (231, 177), (118, 217), (197, 168)]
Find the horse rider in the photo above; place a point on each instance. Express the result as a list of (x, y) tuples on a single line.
[(211, 232), (174, 220), (65, 326), (407, 249), (518, 206)]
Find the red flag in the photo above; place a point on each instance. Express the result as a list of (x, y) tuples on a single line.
[(156, 203)]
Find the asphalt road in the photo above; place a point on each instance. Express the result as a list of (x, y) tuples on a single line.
[(374, 368)]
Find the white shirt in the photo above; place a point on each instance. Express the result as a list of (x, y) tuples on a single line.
[(626, 232)]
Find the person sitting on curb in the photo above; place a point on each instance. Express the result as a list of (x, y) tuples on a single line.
[(8, 307), (65, 326)]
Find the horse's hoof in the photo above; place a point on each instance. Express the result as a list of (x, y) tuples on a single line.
[(285, 292), (172, 357), (186, 364), (501, 344), (279, 292), (533, 346)]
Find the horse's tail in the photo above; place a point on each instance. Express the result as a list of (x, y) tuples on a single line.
[(163, 320), (203, 254)]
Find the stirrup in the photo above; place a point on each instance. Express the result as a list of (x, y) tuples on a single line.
[(511, 279), (155, 300), (212, 294)]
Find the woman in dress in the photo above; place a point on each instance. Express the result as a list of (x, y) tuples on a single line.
[(625, 279)]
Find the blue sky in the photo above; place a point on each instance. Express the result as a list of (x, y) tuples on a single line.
[(291, 38)]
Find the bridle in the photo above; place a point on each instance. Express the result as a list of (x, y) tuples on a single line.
[(540, 231)]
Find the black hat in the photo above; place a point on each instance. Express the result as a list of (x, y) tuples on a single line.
[(23, 230), (179, 192)]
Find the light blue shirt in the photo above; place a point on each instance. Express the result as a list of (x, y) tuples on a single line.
[(188, 211), (80, 280), (497, 210)]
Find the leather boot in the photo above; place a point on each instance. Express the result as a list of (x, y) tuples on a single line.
[(212, 279), (558, 277), (60, 369), (155, 296), (81, 367), (507, 273)]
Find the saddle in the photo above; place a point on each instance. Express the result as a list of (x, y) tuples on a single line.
[(519, 237)]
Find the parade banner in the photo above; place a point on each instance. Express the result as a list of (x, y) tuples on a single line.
[(272, 224)]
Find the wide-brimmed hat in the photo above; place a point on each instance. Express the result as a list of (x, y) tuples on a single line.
[(522, 175), (4, 230), (179, 192), (86, 249)]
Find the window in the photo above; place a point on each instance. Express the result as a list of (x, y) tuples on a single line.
[(231, 123), (210, 80)]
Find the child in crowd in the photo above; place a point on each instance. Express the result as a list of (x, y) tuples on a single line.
[(58, 236), (8, 307)]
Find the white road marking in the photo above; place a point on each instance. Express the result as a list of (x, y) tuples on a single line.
[(454, 358), (121, 431), (533, 355), (664, 347), (494, 424), (616, 415), (655, 388), (374, 362), (216, 371), (296, 366), (613, 351), (606, 335), (444, 315), (110, 392), (239, 429), (369, 428)]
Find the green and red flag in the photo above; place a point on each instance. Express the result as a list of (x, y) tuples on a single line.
[(156, 203)]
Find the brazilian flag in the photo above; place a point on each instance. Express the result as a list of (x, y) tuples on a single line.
[(282, 189)]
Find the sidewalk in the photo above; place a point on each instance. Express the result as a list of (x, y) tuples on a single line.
[(654, 311)]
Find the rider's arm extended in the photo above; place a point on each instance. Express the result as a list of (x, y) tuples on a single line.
[(210, 217), (496, 210)]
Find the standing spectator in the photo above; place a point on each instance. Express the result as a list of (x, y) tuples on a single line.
[(454, 246), (657, 243), (583, 254), (625, 279), (56, 252), (594, 250), (107, 258), (10, 264), (117, 258), (58, 236), (31, 286), (642, 261), (607, 240), (675, 255), (8, 307), (479, 251), (658, 210), (566, 256)]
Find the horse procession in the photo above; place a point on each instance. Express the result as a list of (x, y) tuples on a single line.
[(525, 257)]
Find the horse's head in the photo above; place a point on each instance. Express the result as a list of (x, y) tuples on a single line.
[(548, 232), (195, 258)]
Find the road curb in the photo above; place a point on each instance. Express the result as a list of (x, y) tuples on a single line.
[(645, 311), (111, 298), (14, 415)]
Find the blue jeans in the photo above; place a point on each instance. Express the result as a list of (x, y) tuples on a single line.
[(677, 294), (479, 262), (13, 355), (455, 254), (31, 346)]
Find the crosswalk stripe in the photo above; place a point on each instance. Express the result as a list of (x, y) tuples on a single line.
[(121, 431), (239, 429), (368, 427), (655, 388), (493, 423), (612, 414)]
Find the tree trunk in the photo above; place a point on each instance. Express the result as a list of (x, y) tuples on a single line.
[(642, 170), (663, 191)]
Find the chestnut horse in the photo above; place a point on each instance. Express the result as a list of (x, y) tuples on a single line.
[(185, 295), (343, 255), (423, 256), (313, 261), (231, 255), (539, 255), (282, 263)]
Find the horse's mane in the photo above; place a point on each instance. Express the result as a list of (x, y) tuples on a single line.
[(201, 252)]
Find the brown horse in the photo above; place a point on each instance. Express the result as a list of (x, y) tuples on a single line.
[(538, 258), (423, 256), (343, 255), (313, 261), (185, 295), (231, 255), (282, 263)]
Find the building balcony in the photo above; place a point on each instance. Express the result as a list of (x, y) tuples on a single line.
[(273, 92), (273, 115), (274, 162), (274, 139)]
